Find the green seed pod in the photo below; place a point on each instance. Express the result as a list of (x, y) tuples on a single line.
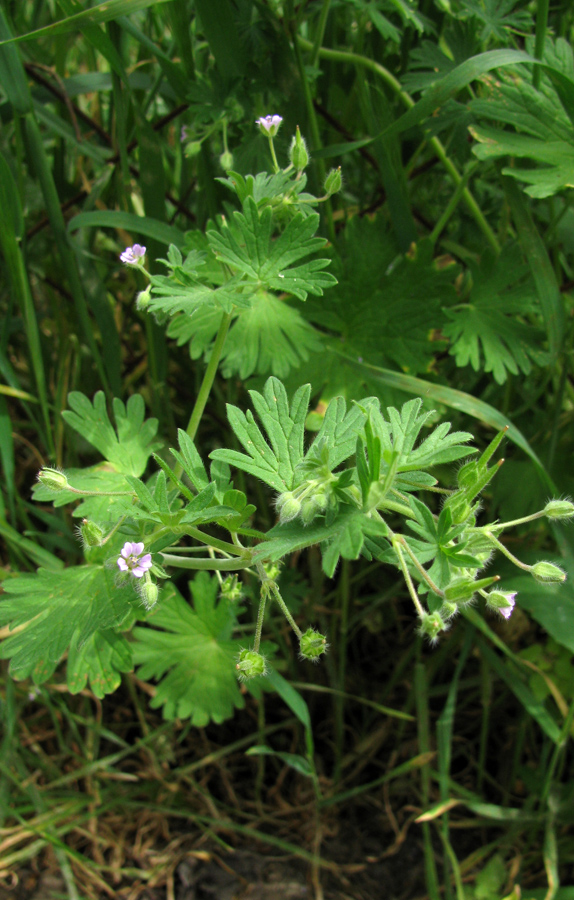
[(333, 182), (559, 509), (312, 644), (53, 479), (92, 534), (231, 589), (250, 664), (298, 154), (548, 573)]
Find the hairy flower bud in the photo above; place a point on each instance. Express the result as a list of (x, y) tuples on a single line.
[(226, 160), (559, 509), (92, 534), (193, 148), (53, 479), (298, 155), (250, 664), (143, 299), (149, 592), (289, 507), (312, 644), (548, 573), (333, 182)]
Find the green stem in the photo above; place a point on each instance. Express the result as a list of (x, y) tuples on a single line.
[(500, 546), (406, 99), (320, 32), (453, 203), (407, 576), (314, 125), (260, 615), (212, 565), (273, 156), (345, 596), (420, 569), (541, 26), (208, 379), (279, 599)]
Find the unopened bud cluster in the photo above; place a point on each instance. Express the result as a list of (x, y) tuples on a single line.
[(250, 664), (307, 501)]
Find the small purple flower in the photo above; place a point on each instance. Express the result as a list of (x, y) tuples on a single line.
[(269, 125), (502, 601), (133, 256), (506, 611), (132, 561), (183, 136)]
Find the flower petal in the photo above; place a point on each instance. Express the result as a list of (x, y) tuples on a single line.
[(127, 549), (138, 571), (145, 561), (137, 548), (123, 565)]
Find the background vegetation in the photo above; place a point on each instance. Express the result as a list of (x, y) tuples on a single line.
[(452, 241)]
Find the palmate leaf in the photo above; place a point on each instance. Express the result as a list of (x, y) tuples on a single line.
[(388, 307), (58, 610), (498, 18), (246, 246), (268, 338), (344, 536), (273, 462), (128, 446), (542, 130), (490, 331), (398, 436), (101, 660), (192, 653)]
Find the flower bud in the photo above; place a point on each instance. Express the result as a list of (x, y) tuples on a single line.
[(467, 475), (143, 299), (309, 510), (333, 182), (559, 509), (289, 507), (92, 534), (226, 160), (312, 644), (53, 479), (448, 610), (502, 601), (193, 148), (149, 592), (431, 624), (548, 573), (298, 154), (250, 664)]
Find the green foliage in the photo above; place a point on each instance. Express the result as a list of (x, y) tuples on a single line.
[(128, 446), (190, 650), (387, 307), (75, 608), (492, 329), (542, 129)]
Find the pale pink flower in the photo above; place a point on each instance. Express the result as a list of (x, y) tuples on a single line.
[(269, 125), (131, 559), (133, 256)]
